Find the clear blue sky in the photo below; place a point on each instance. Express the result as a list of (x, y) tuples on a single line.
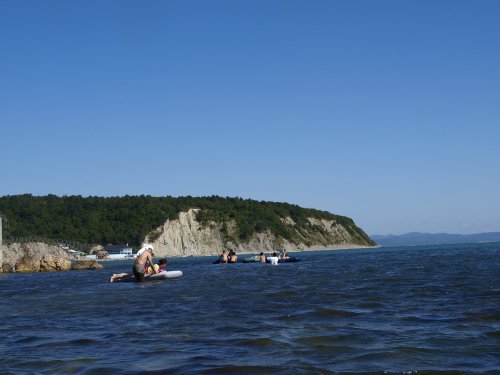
[(384, 111)]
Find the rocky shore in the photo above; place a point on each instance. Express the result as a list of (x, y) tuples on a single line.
[(40, 257)]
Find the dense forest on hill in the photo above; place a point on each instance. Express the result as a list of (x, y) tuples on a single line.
[(127, 219)]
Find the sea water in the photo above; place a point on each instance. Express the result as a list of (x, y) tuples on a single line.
[(413, 310)]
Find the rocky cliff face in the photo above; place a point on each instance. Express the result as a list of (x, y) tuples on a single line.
[(34, 257), (185, 236), (40, 257)]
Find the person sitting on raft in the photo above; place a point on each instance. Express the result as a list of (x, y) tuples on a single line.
[(262, 257)]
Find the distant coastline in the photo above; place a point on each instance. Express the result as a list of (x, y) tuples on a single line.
[(417, 238)]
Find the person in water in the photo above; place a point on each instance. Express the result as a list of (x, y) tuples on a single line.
[(233, 258), (273, 259), (262, 257), (223, 257), (144, 256)]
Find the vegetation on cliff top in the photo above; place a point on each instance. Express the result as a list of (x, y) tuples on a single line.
[(103, 220)]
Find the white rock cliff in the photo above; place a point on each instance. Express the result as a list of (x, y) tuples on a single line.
[(185, 236)]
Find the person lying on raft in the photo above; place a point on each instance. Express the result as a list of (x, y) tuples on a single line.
[(149, 270), (162, 265)]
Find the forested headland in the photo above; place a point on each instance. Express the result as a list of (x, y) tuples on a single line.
[(128, 219)]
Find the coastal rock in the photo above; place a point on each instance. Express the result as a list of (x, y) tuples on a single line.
[(51, 263), (29, 261), (86, 265), (35, 257)]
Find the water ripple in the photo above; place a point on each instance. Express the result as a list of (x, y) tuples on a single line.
[(379, 311)]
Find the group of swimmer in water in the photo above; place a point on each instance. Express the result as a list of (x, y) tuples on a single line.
[(231, 257), (144, 265)]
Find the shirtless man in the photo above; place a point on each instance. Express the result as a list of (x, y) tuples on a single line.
[(233, 258), (223, 257), (143, 257)]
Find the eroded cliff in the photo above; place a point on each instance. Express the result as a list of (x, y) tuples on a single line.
[(186, 236)]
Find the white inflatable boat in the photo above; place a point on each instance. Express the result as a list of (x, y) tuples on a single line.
[(164, 275)]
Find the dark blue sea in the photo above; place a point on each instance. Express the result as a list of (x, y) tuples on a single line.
[(406, 310)]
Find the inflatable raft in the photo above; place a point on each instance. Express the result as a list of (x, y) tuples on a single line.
[(272, 260), (164, 275), (254, 259), (283, 260)]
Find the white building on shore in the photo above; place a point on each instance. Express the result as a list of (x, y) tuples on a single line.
[(119, 251)]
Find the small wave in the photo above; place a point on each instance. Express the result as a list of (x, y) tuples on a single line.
[(317, 340), (494, 334), (333, 313), (493, 316), (83, 342), (285, 293), (51, 366), (68, 343), (29, 339), (428, 319), (371, 305), (266, 370), (376, 356), (260, 342)]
